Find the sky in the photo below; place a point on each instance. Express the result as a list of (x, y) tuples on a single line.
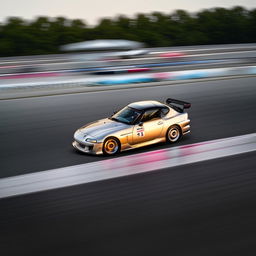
[(92, 11)]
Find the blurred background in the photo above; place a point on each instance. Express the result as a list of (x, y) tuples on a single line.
[(145, 42), (64, 64)]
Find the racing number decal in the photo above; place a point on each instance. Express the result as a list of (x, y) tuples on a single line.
[(140, 132)]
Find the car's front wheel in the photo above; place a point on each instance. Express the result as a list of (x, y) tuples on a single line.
[(173, 134), (111, 146)]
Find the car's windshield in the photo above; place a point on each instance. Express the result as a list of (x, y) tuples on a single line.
[(126, 115)]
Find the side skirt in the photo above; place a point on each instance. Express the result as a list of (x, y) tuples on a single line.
[(143, 144)]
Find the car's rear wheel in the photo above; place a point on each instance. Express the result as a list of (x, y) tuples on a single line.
[(111, 146), (173, 134)]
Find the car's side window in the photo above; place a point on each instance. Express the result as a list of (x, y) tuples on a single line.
[(151, 114), (164, 111)]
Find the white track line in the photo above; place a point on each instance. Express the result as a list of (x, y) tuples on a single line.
[(127, 165)]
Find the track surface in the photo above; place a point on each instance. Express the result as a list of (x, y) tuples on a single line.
[(36, 133), (201, 209), (206, 208)]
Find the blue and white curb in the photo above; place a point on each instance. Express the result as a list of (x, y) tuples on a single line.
[(180, 75), (136, 78)]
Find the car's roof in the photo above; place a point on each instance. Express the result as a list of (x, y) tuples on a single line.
[(142, 105)]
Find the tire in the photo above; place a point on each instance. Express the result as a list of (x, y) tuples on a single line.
[(173, 134), (111, 146)]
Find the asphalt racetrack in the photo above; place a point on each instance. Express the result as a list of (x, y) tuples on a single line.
[(207, 208), (36, 133)]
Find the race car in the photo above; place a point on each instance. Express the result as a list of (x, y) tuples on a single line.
[(136, 125)]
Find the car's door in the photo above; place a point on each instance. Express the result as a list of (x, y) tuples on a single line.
[(149, 128)]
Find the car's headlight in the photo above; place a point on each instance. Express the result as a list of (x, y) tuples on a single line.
[(91, 140)]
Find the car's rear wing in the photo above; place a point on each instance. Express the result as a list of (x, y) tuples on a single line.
[(178, 105)]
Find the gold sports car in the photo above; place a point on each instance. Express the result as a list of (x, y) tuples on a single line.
[(136, 125)]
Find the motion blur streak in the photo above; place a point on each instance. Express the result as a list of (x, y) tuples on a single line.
[(128, 165)]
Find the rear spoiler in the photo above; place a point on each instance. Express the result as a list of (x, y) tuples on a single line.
[(178, 105)]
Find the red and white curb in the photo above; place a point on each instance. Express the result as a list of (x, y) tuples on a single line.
[(127, 165)]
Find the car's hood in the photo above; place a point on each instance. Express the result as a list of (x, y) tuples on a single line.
[(102, 127)]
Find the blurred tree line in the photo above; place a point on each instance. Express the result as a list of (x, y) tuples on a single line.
[(44, 35)]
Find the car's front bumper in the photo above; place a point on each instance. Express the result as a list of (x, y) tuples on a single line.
[(90, 148)]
